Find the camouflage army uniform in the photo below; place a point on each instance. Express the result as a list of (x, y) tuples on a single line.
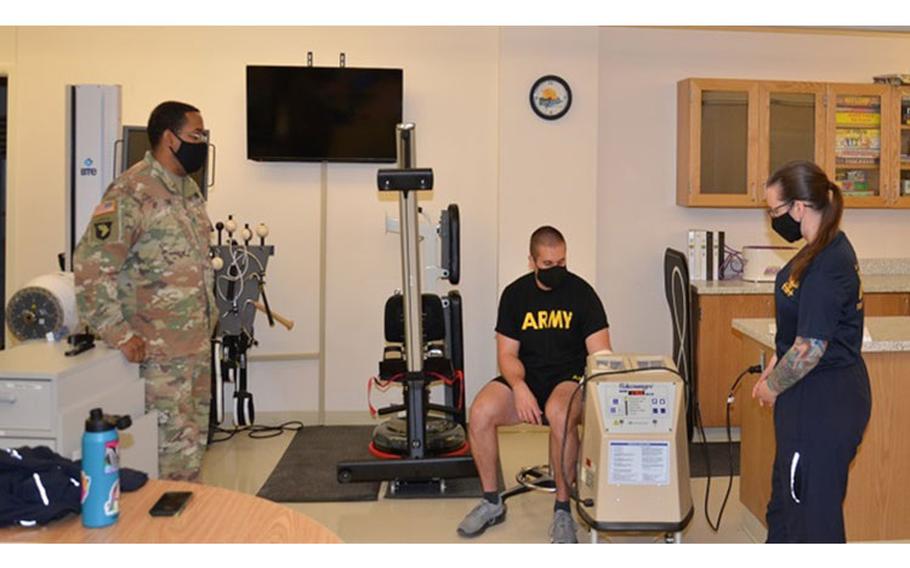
[(143, 268)]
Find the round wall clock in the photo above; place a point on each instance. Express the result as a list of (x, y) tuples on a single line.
[(551, 97)]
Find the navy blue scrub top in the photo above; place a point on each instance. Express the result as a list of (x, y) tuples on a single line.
[(826, 305)]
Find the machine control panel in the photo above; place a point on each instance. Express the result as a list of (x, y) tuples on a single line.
[(637, 407)]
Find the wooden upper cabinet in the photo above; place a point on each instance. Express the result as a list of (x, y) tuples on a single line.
[(860, 132), (901, 158), (716, 131), (732, 134)]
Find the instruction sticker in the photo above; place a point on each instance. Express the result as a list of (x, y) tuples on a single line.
[(639, 463)]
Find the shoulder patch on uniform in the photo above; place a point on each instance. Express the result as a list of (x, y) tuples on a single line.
[(105, 208), (103, 229), (106, 222)]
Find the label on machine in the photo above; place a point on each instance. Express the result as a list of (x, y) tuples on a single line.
[(639, 463), (637, 408)]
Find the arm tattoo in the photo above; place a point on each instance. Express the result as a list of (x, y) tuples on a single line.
[(796, 363)]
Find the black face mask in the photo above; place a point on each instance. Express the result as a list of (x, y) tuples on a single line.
[(191, 155), (552, 277), (787, 227)]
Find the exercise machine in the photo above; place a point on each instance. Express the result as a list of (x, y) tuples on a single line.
[(417, 452)]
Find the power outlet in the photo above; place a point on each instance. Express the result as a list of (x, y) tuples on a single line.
[(761, 361)]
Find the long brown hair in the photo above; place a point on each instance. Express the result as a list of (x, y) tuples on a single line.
[(805, 181)]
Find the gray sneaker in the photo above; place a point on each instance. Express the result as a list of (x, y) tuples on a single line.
[(562, 531), (482, 516)]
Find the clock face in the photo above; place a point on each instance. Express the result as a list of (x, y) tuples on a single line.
[(551, 97)]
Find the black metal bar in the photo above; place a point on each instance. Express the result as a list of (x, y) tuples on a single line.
[(450, 411), (415, 393), (407, 469), (391, 409)]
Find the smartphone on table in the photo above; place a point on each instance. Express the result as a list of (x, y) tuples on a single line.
[(170, 504)]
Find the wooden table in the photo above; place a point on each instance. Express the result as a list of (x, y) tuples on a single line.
[(212, 515)]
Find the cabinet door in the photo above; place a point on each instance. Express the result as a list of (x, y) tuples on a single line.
[(717, 135), (859, 119), (716, 348), (791, 126), (901, 189), (886, 304)]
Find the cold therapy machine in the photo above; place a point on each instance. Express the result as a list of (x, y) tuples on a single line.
[(634, 461)]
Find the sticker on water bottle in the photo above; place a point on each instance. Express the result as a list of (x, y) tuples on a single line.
[(112, 505), (86, 485), (112, 456)]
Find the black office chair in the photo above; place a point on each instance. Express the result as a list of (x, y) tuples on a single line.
[(679, 299)]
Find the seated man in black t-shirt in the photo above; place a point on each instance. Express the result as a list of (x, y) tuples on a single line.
[(549, 321)]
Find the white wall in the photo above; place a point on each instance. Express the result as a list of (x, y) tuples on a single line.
[(548, 169), (637, 214)]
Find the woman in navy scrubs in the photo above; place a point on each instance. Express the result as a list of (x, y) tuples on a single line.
[(817, 381)]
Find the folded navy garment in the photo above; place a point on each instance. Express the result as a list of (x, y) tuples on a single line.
[(38, 486)]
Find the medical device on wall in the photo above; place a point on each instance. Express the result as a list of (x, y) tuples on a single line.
[(45, 305), (239, 268), (762, 263), (634, 464), (92, 129)]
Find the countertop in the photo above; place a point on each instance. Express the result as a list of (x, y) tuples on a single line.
[(886, 334), (872, 283)]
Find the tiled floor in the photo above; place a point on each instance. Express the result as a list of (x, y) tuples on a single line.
[(243, 464)]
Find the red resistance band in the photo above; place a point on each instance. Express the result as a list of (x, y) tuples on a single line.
[(384, 385), (462, 451)]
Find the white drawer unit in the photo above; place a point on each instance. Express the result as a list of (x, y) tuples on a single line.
[(46, 396), (25, 405)]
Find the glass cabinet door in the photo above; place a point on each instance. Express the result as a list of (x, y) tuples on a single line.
[(791, 132), (903, 183), (859, 144), (792, 125), (724, 143), (717, 126)]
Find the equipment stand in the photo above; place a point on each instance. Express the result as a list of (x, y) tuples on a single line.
[(417, 465)]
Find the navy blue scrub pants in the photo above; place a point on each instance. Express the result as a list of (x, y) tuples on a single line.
[(818, 424)]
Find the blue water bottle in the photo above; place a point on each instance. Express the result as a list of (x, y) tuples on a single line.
[(101, 469)]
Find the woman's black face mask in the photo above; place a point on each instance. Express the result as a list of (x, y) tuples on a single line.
[(787, 227)]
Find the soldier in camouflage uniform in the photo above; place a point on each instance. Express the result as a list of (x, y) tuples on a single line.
[(144, 282)]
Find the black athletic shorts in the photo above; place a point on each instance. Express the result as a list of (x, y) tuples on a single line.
[(541, 392)]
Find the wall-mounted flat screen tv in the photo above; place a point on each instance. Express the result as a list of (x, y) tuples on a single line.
[(316, 114)]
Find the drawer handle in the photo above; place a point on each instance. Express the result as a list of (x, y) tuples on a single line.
[(8, 398)]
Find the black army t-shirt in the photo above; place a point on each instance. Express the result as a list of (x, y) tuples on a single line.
[(551, 325), (827, 304)]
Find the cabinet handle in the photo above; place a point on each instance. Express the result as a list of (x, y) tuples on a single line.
[(8, 398)]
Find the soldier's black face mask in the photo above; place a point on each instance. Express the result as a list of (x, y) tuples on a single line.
[(552, 277), (191, 155)]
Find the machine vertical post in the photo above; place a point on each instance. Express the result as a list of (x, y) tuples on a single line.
[(410, 254), (412, 296)]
